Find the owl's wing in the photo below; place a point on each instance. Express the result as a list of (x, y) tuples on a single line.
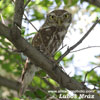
[(44, 35), (44, 38)]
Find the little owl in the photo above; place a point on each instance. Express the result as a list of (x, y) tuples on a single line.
[(47, 41)]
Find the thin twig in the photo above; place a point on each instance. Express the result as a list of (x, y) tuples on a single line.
[(30, 22), (62, 47), (80, 41), (26, 16), (89, 72), (85, 48), (26, 3)]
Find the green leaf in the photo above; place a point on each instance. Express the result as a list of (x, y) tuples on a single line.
[(40, 93), (74, 2), (29, 34), (52, 82), (41, 73), (23, 30), (65, 2), (37, 15), (39, 82), (15, 98), (78, 77), (57, 55), (30, 94), (46, 3), (70, 3), (67, 60), (92, 75), (31, 3), (58, 2)]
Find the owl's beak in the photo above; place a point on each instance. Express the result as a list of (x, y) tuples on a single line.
[(59, 21)]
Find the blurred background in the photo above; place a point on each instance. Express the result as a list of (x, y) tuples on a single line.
[(76, 64)]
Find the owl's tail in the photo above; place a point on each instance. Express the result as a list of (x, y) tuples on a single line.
[(22, 90), (27, 76)]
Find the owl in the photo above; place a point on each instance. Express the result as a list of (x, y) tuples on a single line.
[(47, 41)]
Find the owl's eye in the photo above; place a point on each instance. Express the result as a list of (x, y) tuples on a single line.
[(51, 16), (66, 15)]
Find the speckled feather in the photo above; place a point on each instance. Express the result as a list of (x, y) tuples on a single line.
[(47, 39)]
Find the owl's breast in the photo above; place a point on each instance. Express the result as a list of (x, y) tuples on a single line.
[(49, 39), (57, 41)]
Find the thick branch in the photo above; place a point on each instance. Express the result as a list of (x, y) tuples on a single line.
[(9, 83), (15, 85), (16, 28), (4, 31), (19, 10)]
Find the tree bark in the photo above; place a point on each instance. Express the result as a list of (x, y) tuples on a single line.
[(15, 85)]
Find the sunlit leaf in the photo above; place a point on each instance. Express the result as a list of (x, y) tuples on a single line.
[(40, 93), (65, 2), (37, 15), (15, 98), (58, 2), (57, 55)]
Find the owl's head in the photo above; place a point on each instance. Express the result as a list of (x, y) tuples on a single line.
[(59, 18)]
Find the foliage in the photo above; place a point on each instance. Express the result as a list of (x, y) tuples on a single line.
[(11, 63)]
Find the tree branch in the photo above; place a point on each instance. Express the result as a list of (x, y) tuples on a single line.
[(15, 85), (80, 41), (4, 31), (9, 83), (17, 21), (26, 3), (85, 48), (30, 23), (36, 57), (89, 72), (19, 10)]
